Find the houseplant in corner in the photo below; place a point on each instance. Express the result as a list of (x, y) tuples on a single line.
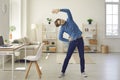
[(89, 21), (11, 28)]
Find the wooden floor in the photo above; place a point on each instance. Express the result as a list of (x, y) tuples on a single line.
[(106, 67)]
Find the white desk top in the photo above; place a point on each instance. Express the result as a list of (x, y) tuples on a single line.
[(11, 48)]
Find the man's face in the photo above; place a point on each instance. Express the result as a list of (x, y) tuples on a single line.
[(61, 21)]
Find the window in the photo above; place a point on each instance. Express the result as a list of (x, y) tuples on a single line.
[(112, 18), (15, 17)]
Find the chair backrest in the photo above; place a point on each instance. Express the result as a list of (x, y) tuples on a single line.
[(39, 51)]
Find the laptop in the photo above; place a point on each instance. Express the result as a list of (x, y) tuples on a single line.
[(2, 43)]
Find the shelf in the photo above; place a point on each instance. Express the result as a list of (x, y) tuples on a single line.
[(49, 37), (90, 37), (50, 49)]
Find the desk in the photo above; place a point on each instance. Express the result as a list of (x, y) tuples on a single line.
[(11, 51)]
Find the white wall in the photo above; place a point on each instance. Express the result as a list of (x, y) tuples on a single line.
[(4, 18), (39, 10), (4, 21)]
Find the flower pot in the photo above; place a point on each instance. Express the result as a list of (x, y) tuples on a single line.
[(49, 22), (90, 22), (10, 36)]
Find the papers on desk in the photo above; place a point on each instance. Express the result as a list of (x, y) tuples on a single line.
[(11, 46)]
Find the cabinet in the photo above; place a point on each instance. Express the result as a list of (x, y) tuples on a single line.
[(90, 37), (49, 37)]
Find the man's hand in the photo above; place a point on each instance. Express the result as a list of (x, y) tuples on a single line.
[(70, 39), (55, 11)]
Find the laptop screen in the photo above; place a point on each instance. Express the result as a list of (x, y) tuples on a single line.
[(1, 41)]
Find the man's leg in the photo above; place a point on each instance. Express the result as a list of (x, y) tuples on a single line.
[(80, 46), (71, 49)]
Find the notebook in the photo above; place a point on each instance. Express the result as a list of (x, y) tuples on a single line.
[(2, 43)]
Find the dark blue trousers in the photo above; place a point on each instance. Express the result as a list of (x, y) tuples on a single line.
[(79, 43)]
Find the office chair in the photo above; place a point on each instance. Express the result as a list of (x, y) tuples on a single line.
[(34, 59)]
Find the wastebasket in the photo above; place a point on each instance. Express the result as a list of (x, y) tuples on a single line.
[(104, 49)]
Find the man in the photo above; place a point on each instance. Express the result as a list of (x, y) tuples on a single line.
[(75, 39)]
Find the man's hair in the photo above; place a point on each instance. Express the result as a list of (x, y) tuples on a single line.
[(56, 22)]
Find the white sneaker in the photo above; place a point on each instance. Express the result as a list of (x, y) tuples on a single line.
[(61, 75), (84, 75)]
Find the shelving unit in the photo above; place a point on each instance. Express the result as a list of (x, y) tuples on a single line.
[(49, 38), (90, 37)]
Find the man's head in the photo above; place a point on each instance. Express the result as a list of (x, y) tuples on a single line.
[(58, 22)]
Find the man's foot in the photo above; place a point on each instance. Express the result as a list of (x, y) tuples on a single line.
[(83, 74), (61, 75)]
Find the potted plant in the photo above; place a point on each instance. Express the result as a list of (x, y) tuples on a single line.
[(49, 20), (11, 28), (90, 20)]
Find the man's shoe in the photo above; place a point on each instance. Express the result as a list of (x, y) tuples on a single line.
[(61, 75), (83, 74)]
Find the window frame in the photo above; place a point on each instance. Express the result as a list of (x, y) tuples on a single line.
[(112, 36)]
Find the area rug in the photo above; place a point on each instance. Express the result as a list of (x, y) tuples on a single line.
[(74, 59)]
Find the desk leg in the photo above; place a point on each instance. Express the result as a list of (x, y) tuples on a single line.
[(25, 59), (12, 66), (3, 67)]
